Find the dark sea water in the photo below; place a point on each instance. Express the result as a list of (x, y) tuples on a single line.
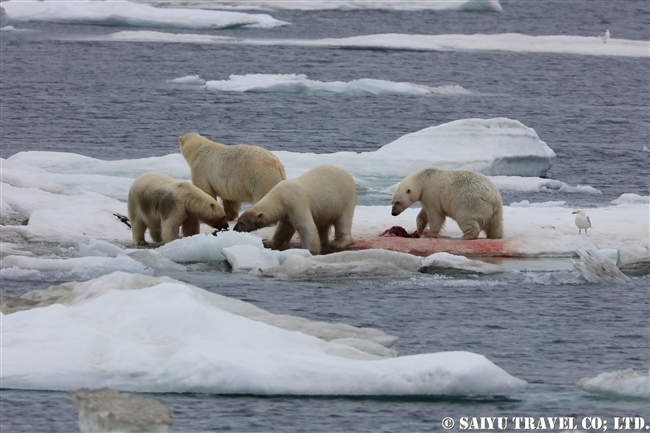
[(110, 100)]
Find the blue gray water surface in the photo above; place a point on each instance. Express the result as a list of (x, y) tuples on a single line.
[(112, 101)]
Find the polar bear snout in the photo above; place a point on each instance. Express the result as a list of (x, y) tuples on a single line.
[(220, 224), (395, 211), (244, 227)]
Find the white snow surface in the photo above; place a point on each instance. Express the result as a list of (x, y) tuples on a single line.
[(138, 334), (124, 13), (300, 84), (506, 42), (496, 147), (627, 383), (68, 197)]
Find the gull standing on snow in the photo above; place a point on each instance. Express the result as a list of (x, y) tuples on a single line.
[(604, 36), (582, 221)]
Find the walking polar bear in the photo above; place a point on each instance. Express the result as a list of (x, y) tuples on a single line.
[(470, 198), (161, 204), (237, 174), (309, 204)]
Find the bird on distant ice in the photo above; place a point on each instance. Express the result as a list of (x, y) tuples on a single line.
[(582, 221), (604, 36)]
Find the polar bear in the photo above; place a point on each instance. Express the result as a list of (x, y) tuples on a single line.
[(161, 204), (309, 204), (237, 174), (470, 198)]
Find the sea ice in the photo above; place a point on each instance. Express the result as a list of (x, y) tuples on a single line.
[(169, 337), (627, 383), (132, 14), (440, 262), (597, 267), (206, 248), (508, 42), (106, 410), (300, 84)]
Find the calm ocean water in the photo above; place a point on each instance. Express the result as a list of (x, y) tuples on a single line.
[(112, 101)]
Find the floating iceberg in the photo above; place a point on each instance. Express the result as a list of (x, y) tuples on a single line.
[(300, 84), (626, 383), (57, 197), (124, 13), (597, 267), (507, 43), (136, 333), (106, 410), (493, 147)]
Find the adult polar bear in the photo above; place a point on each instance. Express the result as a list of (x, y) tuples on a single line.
[(470, 198), (237, 174), (161, 204), (309, 204)]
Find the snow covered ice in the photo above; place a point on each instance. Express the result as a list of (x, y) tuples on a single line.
[(71, 200), (124, 13), (509, 42), (626, 383), (136, 333), (133, 331), (300, 84)]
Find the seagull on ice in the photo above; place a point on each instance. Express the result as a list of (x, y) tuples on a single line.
[(582, 221), (604, 36)]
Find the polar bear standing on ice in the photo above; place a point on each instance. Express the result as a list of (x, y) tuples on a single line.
[(237, 174), (309, 204), (161, 204), (470, 198)]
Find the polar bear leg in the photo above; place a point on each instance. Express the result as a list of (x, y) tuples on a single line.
[(231, 208), (343, 228), (282, 235), (155, 232), (191, 226), (169, 231), (137, 231), (421, 221), (436, 221), (324, 235), (494, 229), (470, 228), (309, 237)]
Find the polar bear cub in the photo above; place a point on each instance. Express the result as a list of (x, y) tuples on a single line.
[(161, 204), (309, 204), (470, 198), (237, 174)]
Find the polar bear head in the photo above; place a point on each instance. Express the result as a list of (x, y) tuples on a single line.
[(404, 196), (250, 220)]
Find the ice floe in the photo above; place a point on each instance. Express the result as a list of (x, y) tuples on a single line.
[(73, 203), (597, 267), (124, 13), (506, 43), (300, 84), (626, 383), (107, 410), (133, 332)]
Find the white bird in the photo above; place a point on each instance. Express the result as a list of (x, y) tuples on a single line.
[(582, 221), (604, 36)]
